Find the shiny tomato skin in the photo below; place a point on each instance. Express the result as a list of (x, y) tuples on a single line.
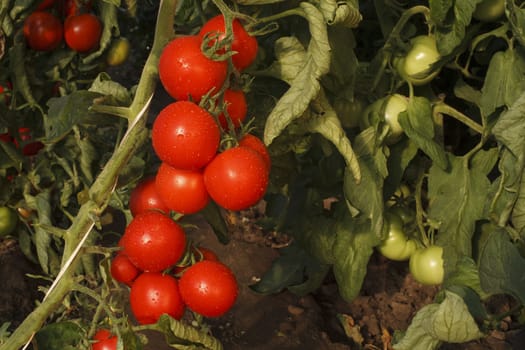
[(426, 265), (43, 31), (82, 32), (255, 143), (183, 191), (243, 44), (185, 135), (185, 72), (145, 197), (236, 107), (237, 178), (104, 340), (209, 288), (153, 294), (396, 246), (153, 241), (123, 270)]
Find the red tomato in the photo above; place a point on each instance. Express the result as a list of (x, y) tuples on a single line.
[(208, 288), (5, 137), (82, 32), (104, 340), (236, 107), (153, 241), (153, 294), (29, 148), (257, 145), (186, 72), (181, 190), (243, 44), (236, 178), (123, 270), (43, 31), (185, 135), (145, 197)]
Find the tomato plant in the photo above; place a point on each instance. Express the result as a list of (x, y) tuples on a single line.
[(243, 44), (426, 265), (208, 288), (396, 246), (417, 64), (104, 340), (186, 73), (153, 294), (183, 191), (82, 32), (8, 221), (237, 178), (123, 270), (489, 10), (43, 31), (153, 241), (236, 108), (185, 135), (145, 197)]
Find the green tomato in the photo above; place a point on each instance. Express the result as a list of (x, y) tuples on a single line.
[(407, 215), (8, 221), (489, 10), (400, 195), (349, 112), (426, 265), (395, 104), (396, 246), (118, 52), (416, 65)]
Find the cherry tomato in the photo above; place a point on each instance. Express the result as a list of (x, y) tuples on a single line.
[(489, 10), (43, 31), (145, 197), (8, 221), (416, 65), (153, 241), (208, 288), (118, 52), (243, 44), (185, 72), (104, 340), (29, 148), (255, 143), (185, 135), (82, 32), (123, 270), (237, 178), (183, 191), (426, 265), (396, 246), (153, 294), (236, 107)]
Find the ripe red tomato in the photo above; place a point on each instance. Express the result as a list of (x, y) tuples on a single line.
[(181, 190), (257, 145), (28, 148), (123, 270), (153, 294), (82, 32), (186, 72), (43, 31), (236, 178), (104, 340), (243, 44), (185, 135), (153, 241), (236, 107), (202, 253), (208, 288), (145, 197)]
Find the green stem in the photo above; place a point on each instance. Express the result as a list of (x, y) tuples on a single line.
[(443, 108)]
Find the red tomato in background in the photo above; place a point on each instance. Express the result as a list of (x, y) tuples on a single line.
[(185, 135), (153, 241), (183, 191), (243, 43), (186, 72), (104, 340), (29, 148), (153, 294), (123, 270), (237, 178), (198, 254), (82, 32), (236, 107), (255, 143), (145, 197), (43, 31), (208, 288)]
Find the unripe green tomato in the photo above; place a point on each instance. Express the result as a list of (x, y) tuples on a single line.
[(396, 104), (406, 214), (349, 112), (118, 52), (489, 10), (426, 265), (8, 221), (416, 65), (396, 246)]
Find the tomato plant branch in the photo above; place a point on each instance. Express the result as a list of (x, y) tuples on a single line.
[(443, 108)]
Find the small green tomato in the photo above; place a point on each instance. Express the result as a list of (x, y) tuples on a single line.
[(396, 104), (416, 65), (489, 10), (8, 221), (396, 246), (426, 265)]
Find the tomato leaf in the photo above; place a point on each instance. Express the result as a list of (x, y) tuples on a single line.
[(401, 153), (105, 86), (466, 274), (178, 332), (516, 17), (213, 216), (65, 335), (109, 18), (42, 239), (439, 9)]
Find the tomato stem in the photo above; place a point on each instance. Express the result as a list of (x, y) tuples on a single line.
[(443, 108)]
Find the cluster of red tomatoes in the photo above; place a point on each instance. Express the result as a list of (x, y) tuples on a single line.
[(44, 29), (23, 141)]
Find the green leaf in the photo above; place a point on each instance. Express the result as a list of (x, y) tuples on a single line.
[(290, 57), (439, 9), (317, 236), (109, 16), (42, 239), (213, 216), (105, 86), (510, 127), (65, 335), (419, 127), (516, 17), (181, 333), (466, 274)]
